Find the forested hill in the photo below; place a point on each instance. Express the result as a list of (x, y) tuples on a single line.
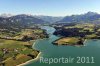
[(89, 17)]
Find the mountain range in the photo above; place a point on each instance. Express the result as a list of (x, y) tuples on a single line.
[(50, 19), (24, 20), (89, 17), (19, 21)]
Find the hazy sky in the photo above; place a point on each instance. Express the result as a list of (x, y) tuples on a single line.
[(49, 7)]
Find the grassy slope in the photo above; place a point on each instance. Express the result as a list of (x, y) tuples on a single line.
[(67, 41), (24, 48)]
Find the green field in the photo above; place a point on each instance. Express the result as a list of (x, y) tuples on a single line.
[(68, 41), (11, 49), (16, 48)]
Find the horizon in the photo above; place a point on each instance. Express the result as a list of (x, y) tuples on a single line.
[(44, 15), (49, 7)]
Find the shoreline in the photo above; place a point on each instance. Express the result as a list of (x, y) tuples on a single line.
[(34, 58), (30, 60), (56, 42)]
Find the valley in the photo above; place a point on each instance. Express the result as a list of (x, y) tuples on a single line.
[(19, 33)]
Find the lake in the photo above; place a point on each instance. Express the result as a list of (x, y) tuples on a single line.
[(91, 49)]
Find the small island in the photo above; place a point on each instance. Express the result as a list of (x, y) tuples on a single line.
[(75, 34), (69, 41)]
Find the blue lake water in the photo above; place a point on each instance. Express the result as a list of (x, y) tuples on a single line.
[(91, 49)]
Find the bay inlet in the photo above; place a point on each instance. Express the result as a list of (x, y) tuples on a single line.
[(48, 50)]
